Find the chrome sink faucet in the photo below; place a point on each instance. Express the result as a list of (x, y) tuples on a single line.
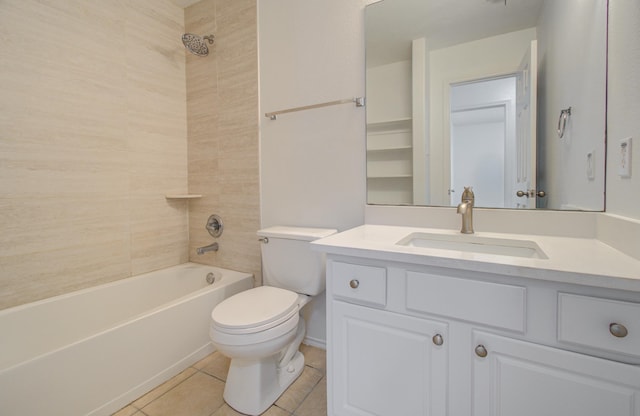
[(465, 208)]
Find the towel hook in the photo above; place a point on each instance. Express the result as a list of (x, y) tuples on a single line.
[(562, 121)]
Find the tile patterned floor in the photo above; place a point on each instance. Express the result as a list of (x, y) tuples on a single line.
[(197, 391)]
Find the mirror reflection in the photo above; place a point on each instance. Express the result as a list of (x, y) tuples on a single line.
[(506, 96)]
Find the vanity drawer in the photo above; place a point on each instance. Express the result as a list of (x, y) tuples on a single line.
[(589, 322), (362, 284), (493, 304)]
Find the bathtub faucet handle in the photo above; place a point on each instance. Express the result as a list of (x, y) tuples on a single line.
[(214, 226)]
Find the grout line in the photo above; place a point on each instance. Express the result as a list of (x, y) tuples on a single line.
[(168, 390), (310, 391), (281, 408), (210, 375), (218, 408)]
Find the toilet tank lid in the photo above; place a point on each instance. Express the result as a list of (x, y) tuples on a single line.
[(296, 233)]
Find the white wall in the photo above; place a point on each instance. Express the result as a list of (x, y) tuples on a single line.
[(312, 162), (389, 92), (571, 49), (345, 18), (623, 194)]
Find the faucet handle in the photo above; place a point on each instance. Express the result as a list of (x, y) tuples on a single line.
[(467, 194), (214, 226)]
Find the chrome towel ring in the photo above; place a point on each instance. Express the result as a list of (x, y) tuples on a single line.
[(562, 121)]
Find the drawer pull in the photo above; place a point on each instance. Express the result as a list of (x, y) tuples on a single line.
[(481, 351), (437, 339), (618, 330), (354, 284)]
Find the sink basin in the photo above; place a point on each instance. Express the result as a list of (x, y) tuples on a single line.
[(474, 244)]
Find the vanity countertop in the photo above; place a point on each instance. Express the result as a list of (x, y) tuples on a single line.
[(584, 261)]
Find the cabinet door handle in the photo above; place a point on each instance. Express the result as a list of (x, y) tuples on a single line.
[(437, 339), (354, 284), (618, 330), (481, 351)]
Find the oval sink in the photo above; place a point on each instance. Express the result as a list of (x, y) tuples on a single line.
[(474, 244)]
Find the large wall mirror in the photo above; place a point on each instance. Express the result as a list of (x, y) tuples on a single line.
[(506, 96)]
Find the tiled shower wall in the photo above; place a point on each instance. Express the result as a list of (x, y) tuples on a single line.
[(222, 103), (93, 134)]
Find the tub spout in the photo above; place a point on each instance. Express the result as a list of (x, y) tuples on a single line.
[(210, 247)]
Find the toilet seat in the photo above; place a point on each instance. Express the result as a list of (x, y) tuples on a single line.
[(255, 310)]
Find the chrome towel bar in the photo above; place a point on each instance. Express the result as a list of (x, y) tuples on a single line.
[(358, 101)]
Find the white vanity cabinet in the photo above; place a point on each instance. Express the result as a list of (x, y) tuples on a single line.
[(379, 358), (411, 340), (513, 377)]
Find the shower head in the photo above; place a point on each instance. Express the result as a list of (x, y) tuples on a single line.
[(196, 44)]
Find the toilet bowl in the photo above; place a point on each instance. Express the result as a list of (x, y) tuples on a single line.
[(262, 328), (255, 329)]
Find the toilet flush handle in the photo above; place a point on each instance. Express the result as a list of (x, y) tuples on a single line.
[(264, 240)]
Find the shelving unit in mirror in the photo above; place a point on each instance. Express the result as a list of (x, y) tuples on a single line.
[(389, 162)]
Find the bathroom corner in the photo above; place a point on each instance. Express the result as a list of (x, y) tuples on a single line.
[(222, 112)]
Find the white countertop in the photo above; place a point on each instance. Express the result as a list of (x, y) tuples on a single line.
[(584, 261)]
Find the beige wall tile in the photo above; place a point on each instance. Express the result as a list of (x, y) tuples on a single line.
[(92, 135), (222, 99)]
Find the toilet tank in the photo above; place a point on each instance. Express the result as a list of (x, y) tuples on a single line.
[(288, 261)]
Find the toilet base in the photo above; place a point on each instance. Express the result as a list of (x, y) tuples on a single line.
[(252, 386)]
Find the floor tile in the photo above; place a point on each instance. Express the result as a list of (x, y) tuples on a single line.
[(198, 390), (215, 364), (226, 410), (315, 404), (199, 395), (276, 411), (126, 411), (314, 357), (163, 388), (300, 389)]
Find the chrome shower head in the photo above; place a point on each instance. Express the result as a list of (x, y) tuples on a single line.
[(196, 44)]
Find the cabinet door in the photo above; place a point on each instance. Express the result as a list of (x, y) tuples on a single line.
[(386, 364), (526, 379)]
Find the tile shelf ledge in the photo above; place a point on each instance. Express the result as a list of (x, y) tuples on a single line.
[(183, 196)]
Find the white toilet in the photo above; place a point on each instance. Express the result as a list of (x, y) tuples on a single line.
[(261, 329)]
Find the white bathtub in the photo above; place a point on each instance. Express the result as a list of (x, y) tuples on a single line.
[(93, 351)]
